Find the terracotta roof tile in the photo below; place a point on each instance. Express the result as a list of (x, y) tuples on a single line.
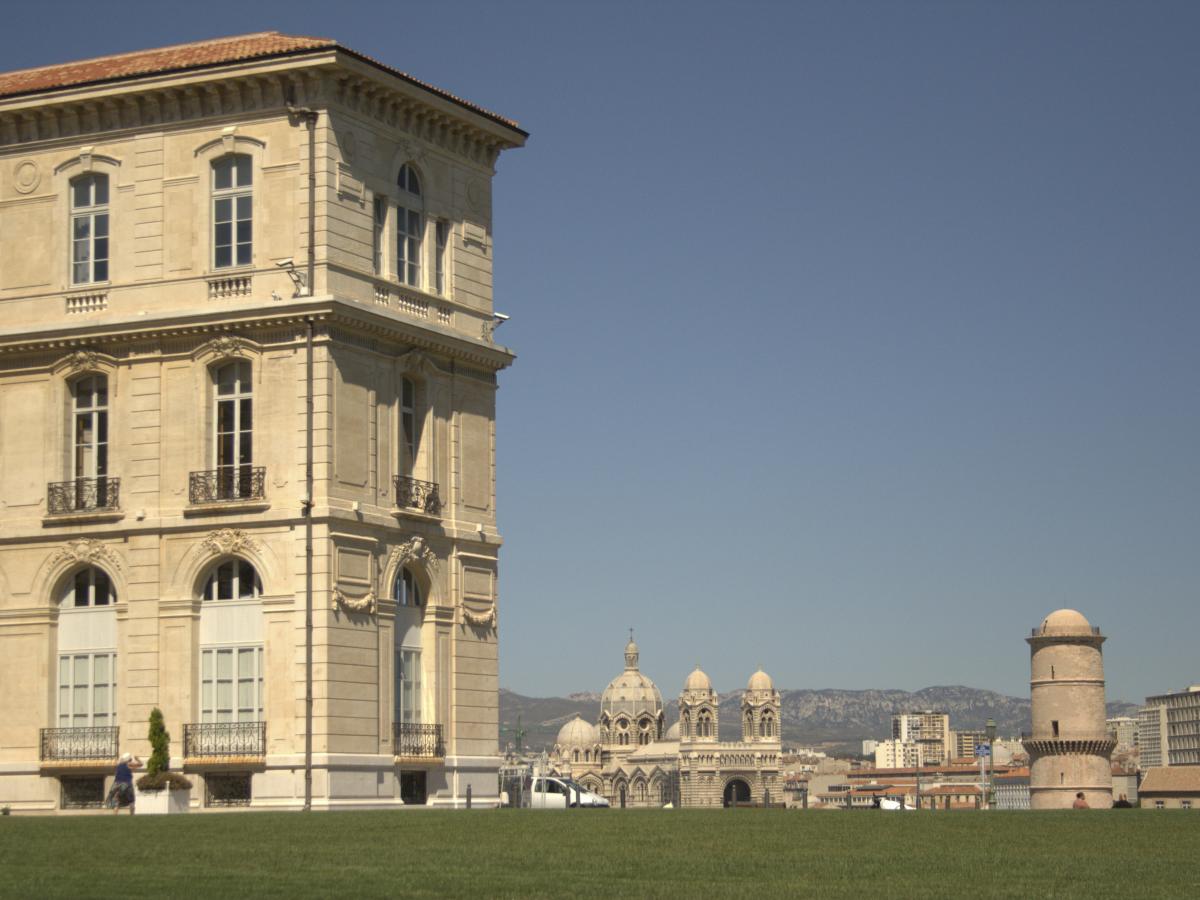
[(1171, 778), (163, 59), (198, 54)]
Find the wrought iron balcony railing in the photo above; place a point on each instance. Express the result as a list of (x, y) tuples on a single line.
[(98, 743), (82, 494), (414, 494), (227, 484), (202, 739), (415, 740)]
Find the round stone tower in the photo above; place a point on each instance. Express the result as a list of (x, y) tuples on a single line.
[(1069, 750)]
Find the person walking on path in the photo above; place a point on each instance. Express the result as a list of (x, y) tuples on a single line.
[(121, 792), (1080, 802)]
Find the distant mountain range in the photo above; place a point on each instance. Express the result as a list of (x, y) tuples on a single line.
[(831, 718)]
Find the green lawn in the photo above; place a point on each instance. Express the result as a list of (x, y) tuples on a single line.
[(604, 853)]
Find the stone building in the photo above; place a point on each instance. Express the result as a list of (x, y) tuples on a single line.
[(629, 758), (930, 729), (1069, 749), (247, 379)]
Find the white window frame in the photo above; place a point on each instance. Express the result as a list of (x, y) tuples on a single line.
[(241, 573), (89, 433), (237, 192), (211, 709), (70, 686), (89, 582), (441, 241), (243, 390), (406, 696), (379, 214), (92, 249), (410, 228), (410, 426)]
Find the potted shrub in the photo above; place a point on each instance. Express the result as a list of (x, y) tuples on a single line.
[(160, 790)]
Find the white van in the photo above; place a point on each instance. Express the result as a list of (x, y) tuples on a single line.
[(559, 793)]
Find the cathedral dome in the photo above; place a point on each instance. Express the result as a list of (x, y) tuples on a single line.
[(631, 693), (697, 681), (760, 681), (576, 733), (672, 732), (1066, 622)]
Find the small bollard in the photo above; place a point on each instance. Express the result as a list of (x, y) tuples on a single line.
[(468, 796)]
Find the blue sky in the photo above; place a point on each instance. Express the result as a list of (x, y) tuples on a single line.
[(853, 337)]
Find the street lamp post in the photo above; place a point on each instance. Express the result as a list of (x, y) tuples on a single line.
[(991, 736)]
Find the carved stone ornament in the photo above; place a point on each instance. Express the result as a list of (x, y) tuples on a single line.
[(81, 361), (227, 345), (228, 541), (483, 620), (26, 176), (413, 550), (415, 361), (86, 551), (363, 604)]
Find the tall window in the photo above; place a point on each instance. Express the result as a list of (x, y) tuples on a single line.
[(766, 727), (379, 221), (409, 226), (231, 667), (234, 417), (89, 229), (704, 724), (406, 591), (442, 238), (91, 427), (233, 202), (410, 426), (87, 672)]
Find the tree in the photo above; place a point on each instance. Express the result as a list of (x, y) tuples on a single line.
[(160, 744)]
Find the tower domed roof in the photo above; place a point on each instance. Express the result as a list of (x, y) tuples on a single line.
[(760, 681), (697, 681), (576, 733), (1065, 621), (631, 692), (672, 732)]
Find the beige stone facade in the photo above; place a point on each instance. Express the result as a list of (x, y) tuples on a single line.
[(1069, 748), (628, 758), (171, 343)]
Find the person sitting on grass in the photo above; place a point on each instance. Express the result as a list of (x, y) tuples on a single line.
[(1080, 802), (121, 792)]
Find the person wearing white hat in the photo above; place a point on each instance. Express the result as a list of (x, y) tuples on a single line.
[(121, 792)]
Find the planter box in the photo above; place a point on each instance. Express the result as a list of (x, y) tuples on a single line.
[(160, 803)]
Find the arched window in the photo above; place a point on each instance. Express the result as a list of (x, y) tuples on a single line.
[(90, 587), (685, 725), (575, 757), (644, 735), (89, 229), (704, 724), (234, 579), (232, 211), (407, 593), (234, 431), (87, 656), (766, 727), (410, 227), (406, 590), (231, 649)]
